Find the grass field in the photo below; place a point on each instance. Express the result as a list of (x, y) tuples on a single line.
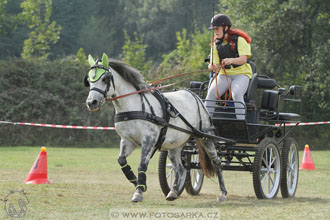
[(88, 184)]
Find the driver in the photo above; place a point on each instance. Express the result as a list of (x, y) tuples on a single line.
[(231, 49)]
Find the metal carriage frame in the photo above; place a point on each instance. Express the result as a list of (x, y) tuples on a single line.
[(260, 143)]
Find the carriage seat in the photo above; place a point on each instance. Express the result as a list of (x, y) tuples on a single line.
[(195, 84), (252, 88), (269, 102)]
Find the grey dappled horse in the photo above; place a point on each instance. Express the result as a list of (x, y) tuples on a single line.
[(112, 79)]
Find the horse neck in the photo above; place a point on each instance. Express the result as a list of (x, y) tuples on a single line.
[(128, 103)]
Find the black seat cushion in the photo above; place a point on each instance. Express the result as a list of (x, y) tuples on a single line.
[(265, 82), (269, 100), (252, 88), (195, 84)]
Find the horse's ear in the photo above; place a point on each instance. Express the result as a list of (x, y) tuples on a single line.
[(105, 60), (91, 60)]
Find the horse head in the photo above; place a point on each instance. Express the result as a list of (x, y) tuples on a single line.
[(99, 78)]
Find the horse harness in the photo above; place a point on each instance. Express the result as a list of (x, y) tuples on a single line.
[(168, 111), (108, 77), (167, 108)]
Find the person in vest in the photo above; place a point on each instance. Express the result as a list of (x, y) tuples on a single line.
[(231, 49)]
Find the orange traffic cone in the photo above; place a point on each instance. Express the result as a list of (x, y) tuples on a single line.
[(307, 160), (38, 172)]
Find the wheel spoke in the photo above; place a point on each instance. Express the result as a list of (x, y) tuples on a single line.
[(264, 176), (270, 177), (292, 178), (288, 167), (264, 169), (263, 159), (271, 163), (294, 165), (289, 180), (169, 174), (264, 180), (291, 154), (270, 157), (194, 181)]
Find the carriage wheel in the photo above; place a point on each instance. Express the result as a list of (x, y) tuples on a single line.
[(267, 169), (289, 168), (166, 174), (195, 177)]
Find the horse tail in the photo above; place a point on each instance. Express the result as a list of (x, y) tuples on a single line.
[(205, 160)]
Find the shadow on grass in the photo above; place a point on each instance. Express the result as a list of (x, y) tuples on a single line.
[(247, 201)]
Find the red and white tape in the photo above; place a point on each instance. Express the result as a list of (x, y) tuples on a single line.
[(59, 126), (306, 123), (113, 128)]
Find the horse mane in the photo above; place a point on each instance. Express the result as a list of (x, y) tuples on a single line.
[(129, 73)]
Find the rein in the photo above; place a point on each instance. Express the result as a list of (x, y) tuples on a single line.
[(109, 78), (216, 82), (154, 83)]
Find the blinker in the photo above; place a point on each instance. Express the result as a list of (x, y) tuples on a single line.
[(86, 83)]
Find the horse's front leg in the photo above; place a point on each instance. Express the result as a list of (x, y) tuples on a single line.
[(126, 148), (146, 153), (180, 173), (211, 151)]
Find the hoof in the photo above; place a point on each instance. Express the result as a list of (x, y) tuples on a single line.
[(137, 197), (172, 195), (222, 197)]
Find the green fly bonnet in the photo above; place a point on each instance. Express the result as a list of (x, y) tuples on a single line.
[(97, 69)]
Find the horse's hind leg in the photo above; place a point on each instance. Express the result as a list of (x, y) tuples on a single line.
[(180, 177), (211, 151), (126, 149)]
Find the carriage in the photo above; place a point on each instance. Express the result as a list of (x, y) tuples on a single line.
[(259, 144), (195, 138)]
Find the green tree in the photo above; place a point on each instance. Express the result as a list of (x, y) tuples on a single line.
[(81, 56), (103, 28), (49, 92), (188, 55), (160, 20), (73, 16), (290, 42), (43, 33), (134, 53), (97, 25), (12, 32), (8, 21)]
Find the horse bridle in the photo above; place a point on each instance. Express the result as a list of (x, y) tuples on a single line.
[(107, 77)]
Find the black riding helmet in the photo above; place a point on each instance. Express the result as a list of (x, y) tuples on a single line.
[(220, 20)]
